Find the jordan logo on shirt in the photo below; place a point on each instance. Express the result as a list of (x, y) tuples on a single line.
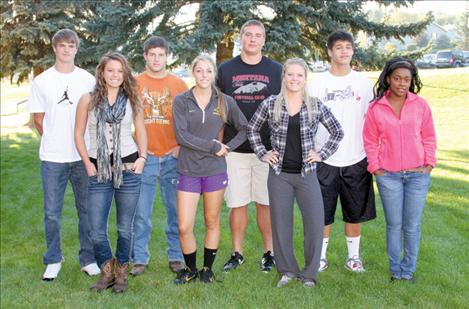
[(65, 97)]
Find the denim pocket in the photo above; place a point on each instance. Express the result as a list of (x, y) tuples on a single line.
[(133, 172)]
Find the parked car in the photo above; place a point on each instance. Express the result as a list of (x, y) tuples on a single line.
[(182, 73), (449, 59), (428, 61), (466, 58), (319, 66)]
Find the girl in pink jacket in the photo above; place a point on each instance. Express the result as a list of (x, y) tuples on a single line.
[(400, 144)]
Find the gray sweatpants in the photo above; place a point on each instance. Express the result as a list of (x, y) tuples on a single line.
[(283, 189)]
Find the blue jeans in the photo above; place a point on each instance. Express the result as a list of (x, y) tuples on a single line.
[(403, 195), (164, 171), (54, 182), (100, 197)]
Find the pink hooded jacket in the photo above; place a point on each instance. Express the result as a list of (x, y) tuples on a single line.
[(395, 144)]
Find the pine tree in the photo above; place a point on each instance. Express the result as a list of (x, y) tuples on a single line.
[(294, 28), (27, 28)]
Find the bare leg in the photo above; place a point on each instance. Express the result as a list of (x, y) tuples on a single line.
[(212, 209), (352, 229), (187, 207), (238, 224), (327, 231)]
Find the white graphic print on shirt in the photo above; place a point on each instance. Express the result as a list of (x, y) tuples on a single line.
[(348, 98), (249, 86)]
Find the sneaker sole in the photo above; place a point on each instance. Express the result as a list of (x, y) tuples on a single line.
[(228, 270), (264, 270), (354, 271), (84, 271), (191, 280), (48, 279)]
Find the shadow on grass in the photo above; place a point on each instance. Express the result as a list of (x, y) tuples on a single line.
[(460, 155), (448, 167)]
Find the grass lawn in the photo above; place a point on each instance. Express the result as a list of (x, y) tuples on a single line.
[(442, 278)]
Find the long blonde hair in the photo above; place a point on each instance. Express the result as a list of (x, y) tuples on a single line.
[(221, 103), (309, 101), (129, 86)]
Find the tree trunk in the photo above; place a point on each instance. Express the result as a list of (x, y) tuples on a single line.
[(225, 49)]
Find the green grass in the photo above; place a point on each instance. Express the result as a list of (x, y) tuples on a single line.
[(441, 279)]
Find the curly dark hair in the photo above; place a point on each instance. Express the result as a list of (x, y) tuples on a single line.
[(382, 84), (129, 86)]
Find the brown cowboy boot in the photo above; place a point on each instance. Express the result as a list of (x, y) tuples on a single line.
[(107, 277), (121, 271)]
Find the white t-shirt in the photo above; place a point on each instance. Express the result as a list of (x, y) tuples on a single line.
[(56, 94), (348, 97)]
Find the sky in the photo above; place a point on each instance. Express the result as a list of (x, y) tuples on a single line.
[(447, 7)]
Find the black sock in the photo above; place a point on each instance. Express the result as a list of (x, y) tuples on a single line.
[(191, 260), (209, 257)]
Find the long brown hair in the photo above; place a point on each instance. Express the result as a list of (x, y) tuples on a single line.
[(129, 85), (221, 106)]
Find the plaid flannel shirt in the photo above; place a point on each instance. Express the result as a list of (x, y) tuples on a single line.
[(278, 132)]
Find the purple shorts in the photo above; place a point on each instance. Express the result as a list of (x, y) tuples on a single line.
[(202, 184)]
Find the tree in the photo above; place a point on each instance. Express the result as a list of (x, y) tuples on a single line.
[(389, 47), (422, 40), (411, 47), (443, 42), (294, 28), (462, 28), (27, 28)]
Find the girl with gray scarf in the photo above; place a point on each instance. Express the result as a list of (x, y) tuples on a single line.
[(114, 162)]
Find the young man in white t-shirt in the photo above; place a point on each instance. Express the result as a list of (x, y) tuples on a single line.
[(53, 101), (344, 175)]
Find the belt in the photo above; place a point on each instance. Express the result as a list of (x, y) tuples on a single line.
[(411, 170), (127, 166)]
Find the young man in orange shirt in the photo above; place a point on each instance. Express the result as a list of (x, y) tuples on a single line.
[(158, 88)]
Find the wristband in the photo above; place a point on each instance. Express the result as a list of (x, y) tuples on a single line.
[(144, 158)]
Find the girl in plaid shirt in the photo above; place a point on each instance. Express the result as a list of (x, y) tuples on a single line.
[(293, 117)]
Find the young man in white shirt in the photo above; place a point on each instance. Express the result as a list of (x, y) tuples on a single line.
[(53, 101), (344, 175)]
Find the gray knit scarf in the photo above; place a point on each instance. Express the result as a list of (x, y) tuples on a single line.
[(113, 115)]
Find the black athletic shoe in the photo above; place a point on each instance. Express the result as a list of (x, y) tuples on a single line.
[(185, 276), (267, 261), (235, 260), (206, 275)]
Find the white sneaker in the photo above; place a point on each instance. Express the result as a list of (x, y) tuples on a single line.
[(91, 269), (52, 270), (355, 264), (323, 265), (309, 284), (283, 281)]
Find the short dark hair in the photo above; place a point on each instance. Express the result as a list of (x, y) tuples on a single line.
[(156, 41), (65, 35), (339, 36)]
